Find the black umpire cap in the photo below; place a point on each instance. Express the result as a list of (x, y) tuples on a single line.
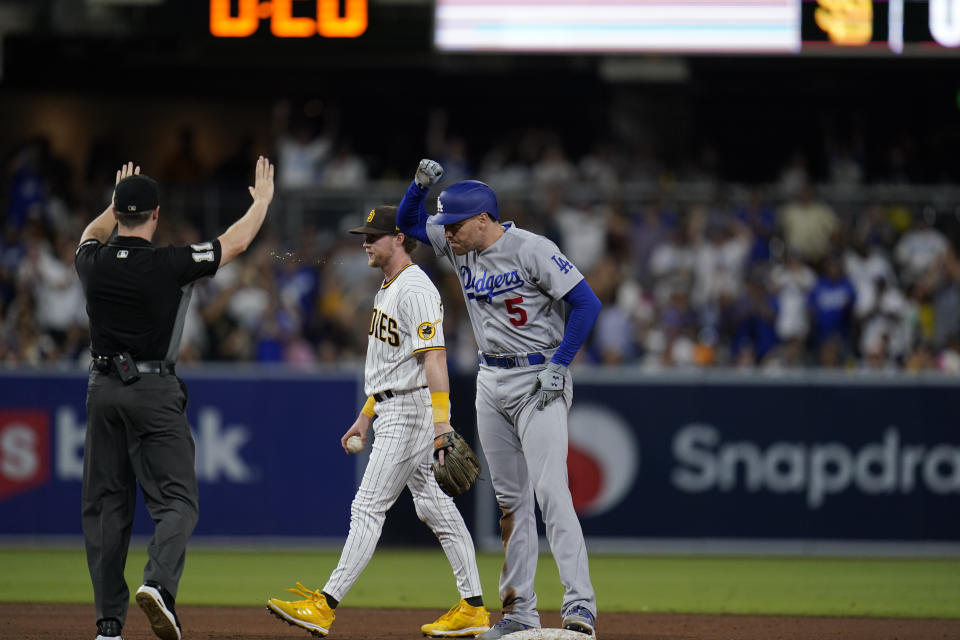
[(381, 220), (136, 194)]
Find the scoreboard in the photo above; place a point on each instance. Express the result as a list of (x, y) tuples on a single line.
[(820, 27)]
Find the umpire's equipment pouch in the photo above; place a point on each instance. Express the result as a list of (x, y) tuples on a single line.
[(126, 368)]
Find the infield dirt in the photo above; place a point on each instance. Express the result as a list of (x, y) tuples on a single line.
[(67, 621)]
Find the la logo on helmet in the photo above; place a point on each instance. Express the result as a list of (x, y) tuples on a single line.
[(439, 206)]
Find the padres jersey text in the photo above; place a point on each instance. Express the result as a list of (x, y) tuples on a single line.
[(407, 319)]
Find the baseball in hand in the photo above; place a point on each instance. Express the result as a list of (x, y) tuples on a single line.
[(354, 444)]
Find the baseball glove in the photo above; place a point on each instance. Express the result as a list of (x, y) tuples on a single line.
[(460, 468)]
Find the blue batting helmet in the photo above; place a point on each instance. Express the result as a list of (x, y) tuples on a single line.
[(463, 200)]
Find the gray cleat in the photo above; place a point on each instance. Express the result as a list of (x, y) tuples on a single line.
[(579, 619), (505, 627)]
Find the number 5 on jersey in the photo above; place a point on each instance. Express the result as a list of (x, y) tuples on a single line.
[(514, 309)]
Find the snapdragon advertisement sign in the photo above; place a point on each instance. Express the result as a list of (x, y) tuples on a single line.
[(269, 461), (648, 458), (811, 461)]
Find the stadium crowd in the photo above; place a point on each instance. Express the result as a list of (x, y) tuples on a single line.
[(697, 273)]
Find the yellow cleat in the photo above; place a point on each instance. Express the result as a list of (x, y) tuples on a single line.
[(461, 621), (312, 613)]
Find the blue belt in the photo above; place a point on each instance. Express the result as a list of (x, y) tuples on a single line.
[(512, 360)]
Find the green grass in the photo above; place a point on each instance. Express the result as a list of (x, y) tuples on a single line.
[(889, 587)]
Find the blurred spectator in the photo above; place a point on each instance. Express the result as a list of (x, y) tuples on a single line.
[(599, 168), (302, 150), (876, 228), (792, 282), (759, 217), (648, 230), (885, 335), (252, 300), (864, 264), (28, 189), (583, 229), (719, 259), (503, 168), (344, 170), (946, 298), (13, 249), (614, 331), (678, 321), (920, 247), (755, 334), (46, 274), (213, 296), (831, 304), (553, 166), (808, 225), (672, 263)]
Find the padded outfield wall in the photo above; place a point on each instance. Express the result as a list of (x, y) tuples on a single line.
[(720, 461)]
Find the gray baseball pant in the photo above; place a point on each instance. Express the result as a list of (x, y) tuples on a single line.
[(136, 434), (526, 451)]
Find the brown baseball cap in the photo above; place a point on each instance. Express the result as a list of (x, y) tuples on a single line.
[(381, 220)]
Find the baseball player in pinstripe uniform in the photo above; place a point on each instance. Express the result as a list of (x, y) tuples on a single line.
[(405, 377), (517, 286)]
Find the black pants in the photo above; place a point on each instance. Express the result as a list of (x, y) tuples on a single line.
[(136, 434)]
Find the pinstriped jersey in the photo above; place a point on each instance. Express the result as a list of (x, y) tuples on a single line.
[(407, 320), (513, 290)]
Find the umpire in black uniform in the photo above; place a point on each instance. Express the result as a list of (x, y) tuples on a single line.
[(137, 431)]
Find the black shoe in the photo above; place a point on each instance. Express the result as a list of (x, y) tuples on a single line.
[(108, 629), (157, 603)]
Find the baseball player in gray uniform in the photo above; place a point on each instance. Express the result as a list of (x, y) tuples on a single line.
[(405, 377), (517, 286)]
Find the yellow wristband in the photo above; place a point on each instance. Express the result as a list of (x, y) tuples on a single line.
[(368, 408), (441, 406)]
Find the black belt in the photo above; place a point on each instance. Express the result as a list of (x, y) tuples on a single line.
[(509, 361), (103, 364), (386, 395), (161, 367)]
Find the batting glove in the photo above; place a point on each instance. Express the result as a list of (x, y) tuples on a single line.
[(549, 385), (428, 173)]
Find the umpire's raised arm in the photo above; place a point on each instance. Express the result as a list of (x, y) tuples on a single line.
[(241, 233), (102, 226)]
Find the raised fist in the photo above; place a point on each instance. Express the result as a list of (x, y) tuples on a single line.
[(428, 173)]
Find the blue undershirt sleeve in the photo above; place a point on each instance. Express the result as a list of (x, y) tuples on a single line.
[(585, 308), (412, 213)]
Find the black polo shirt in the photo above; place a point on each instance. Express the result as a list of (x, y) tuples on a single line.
[(137, 294)]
